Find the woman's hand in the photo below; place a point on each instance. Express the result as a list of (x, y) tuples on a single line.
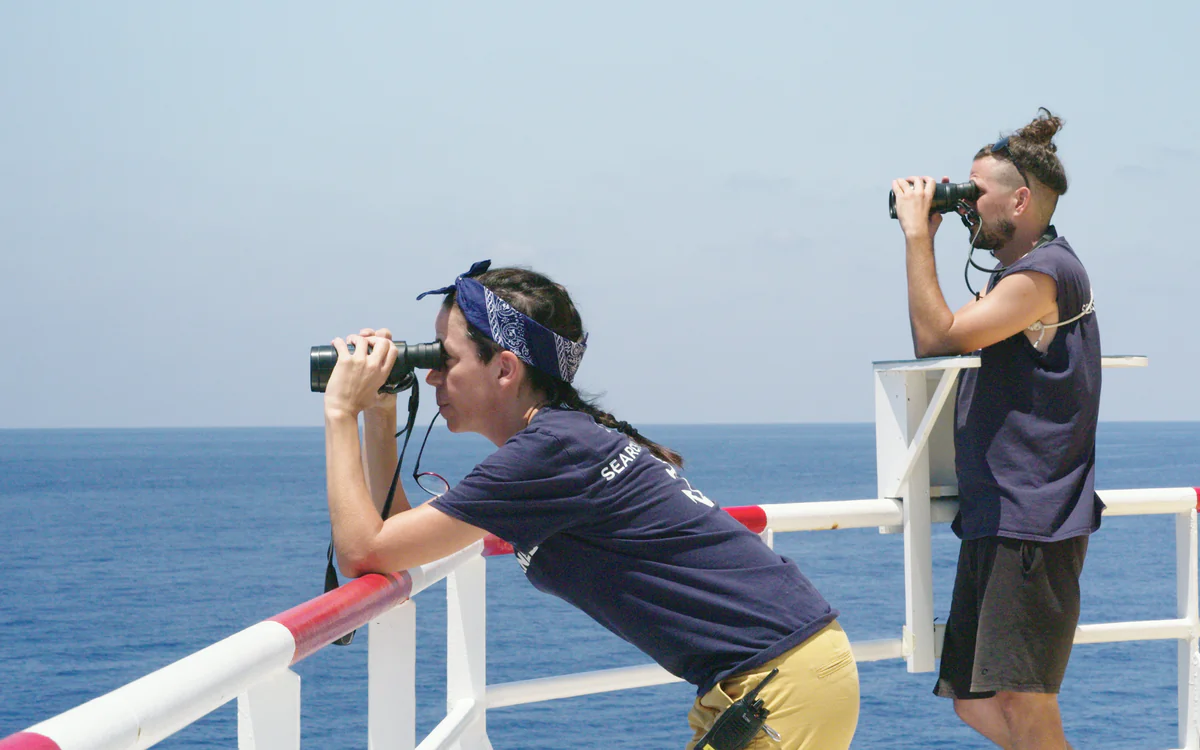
[(385, 403), (357, 377)]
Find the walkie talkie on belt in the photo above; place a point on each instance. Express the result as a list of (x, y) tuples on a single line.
[(738, 724)]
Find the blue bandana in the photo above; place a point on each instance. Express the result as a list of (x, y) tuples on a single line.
[(511, 329)]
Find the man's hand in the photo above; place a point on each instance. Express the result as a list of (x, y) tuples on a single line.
[(914, 198)]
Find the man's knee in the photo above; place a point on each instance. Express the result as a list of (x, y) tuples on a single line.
[(966, 710), (1028, 709), (976, 712)]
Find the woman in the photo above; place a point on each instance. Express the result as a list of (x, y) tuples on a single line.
[(598, 514)]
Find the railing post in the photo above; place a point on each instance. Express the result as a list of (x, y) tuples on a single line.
[(466, 649), (768, 537), (900, 401), (1186, 550), (269, 713), (909, 418), (391, 679)]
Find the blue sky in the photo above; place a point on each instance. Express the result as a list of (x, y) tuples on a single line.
[(192, 195)]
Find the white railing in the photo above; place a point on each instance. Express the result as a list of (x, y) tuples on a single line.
[(254, 665)]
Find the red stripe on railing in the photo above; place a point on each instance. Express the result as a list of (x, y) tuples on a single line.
[(1197, 491), (752, 517), (494, 545), (27, 741), (321, 621)]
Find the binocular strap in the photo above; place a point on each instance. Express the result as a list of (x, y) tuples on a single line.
[(331, 578)]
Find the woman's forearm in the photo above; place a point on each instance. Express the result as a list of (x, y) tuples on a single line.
[(352, 513), (379, 459)]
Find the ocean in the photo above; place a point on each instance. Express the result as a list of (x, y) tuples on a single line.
[(125, 550)]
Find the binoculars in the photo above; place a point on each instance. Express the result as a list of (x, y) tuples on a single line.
[(431, 356), (946, 196)]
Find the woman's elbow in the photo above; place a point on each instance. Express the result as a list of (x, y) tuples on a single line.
[(355, 563)]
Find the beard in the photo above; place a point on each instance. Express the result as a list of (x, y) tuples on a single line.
[(994, 235)]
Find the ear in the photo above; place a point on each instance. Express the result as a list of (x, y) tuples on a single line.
[(1023, 200), (510, 370)]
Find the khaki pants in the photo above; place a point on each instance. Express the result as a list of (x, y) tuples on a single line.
[(813, 700)]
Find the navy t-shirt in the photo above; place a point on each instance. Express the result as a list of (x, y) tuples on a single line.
[(1025, 422), (600, 522)]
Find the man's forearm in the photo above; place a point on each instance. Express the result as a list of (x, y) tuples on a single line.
[(928, 312)]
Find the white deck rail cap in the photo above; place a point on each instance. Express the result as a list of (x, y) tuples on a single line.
[(972, 360), (928, 363)]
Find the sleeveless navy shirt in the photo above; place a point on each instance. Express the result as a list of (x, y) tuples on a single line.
[(1025, 422)]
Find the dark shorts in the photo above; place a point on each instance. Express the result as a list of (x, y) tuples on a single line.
[(1012, 617)]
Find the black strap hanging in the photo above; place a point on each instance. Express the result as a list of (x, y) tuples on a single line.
[(331, 578)]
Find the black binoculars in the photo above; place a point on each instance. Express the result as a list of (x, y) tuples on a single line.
[(431, 356), (946, 196)]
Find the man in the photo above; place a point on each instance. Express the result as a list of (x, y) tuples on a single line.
[(1025, 436)]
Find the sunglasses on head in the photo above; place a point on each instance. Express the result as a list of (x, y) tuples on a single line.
[(1001, 146)]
